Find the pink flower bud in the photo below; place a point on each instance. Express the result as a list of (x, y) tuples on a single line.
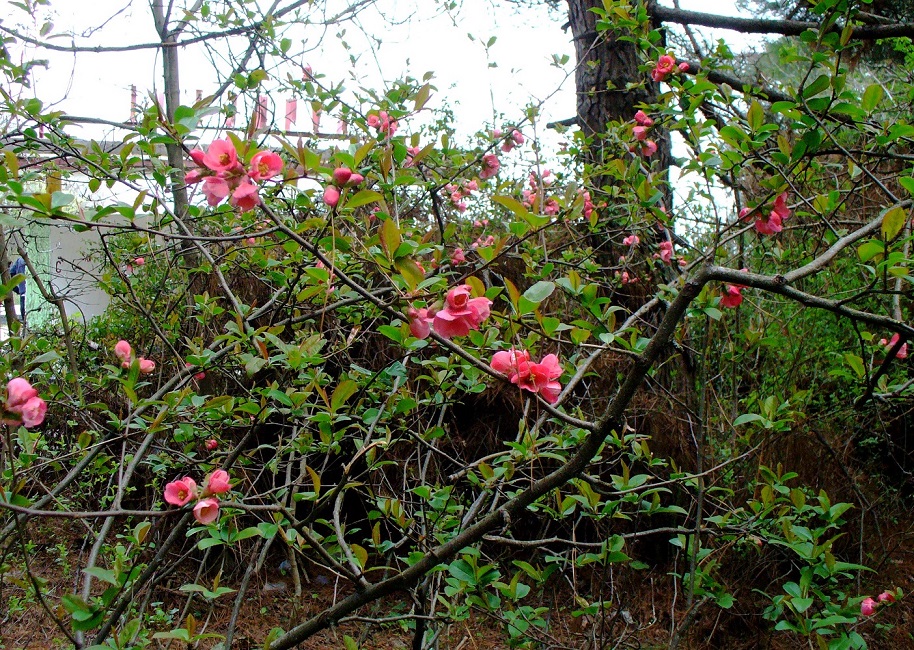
[(341, 175), (123, 351), (356, 179), (212, 444), (886, 597), (147, 366), (218, 482), (868, 607), (197, 156), (331, 196)]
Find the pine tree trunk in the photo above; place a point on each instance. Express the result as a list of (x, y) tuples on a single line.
[(606, 67)]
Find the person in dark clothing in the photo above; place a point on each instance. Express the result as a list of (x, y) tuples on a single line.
[(19, 267)]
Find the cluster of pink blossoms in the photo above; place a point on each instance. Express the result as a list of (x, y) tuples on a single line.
[(665, 66), (773, 224), (490, 165), (631, 240), (124, 352), (458, 257), (223, 174), (666, 252), (184, 490), (902, 351), (22, 400), (868, 606), (588, 203), (515, 140), (535, 377), (459, 192), (550, 205), (460, 314), (640, 131), (382, 122), (342, 177)]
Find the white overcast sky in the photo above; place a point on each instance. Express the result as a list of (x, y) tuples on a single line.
[(98, 85)]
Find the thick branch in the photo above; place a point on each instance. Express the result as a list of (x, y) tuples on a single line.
[(775, 26)]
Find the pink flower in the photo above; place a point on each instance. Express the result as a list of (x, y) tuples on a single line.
[(461, 313), (649, 148), (331, 196), (215, 189), (198, 376), (264, 165), (217, 483), (123, 351), (193, 176), (147, 366), (245, 197), (551, 207), (490, 165), (664, 67), (902, 351), (868, 607), (419, 323), (197, 155), (206, 511), (33, 412), (513, 363), (744, 213), (732, 296), (631, 240), (642, 119), (780, 206), (18, 393), (220, 156), (471, 186), (534, 377), (666, 251), (140, 261), (683, 67), (212, 444), (769, 226), (542, 378), (886, 597), (374, 121), (341, 175), (640, 133), (518, 137), (180, 492), (458, 257)]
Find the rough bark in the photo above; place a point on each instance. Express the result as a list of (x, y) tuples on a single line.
[(605, 68)]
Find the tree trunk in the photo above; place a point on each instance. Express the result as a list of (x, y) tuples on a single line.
[(605, 68)]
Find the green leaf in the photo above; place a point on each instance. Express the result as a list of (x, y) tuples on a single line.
[(390, 237), (461, 570), (893, 222), (856, 363), (871, 97), (539, 291), (821, 83), (747, 417), (346, 389), (755, 116), (870, 250), (422, 97), (363, 197)]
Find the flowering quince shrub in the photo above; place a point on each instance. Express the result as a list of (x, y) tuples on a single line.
[(464, 369)]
